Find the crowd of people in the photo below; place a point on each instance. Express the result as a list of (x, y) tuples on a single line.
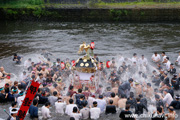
[(128, 86)]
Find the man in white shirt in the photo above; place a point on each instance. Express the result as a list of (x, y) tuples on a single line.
[(27, 63), (120, 59), (101, 103), (168, 63), (20, 98), (134, 58), (60, 106), (75, 114), (164, 57), (178, 59), (167, 98), (156, 57), (95, 111), (143, 61), (69, 108), (45, 111)]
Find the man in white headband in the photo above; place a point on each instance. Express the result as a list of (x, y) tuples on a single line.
[(14, 114)]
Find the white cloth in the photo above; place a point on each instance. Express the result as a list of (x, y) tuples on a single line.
[(101, 103), (60, 106), (167, 99), (143, 61), (90, 101), (22, 77), (168, 65), (27, 63), (164, 57), (69, 109), (178, 60), (156, 58), (134, 59), (76, 116), (95, 113), (45, 112), (20, 100)]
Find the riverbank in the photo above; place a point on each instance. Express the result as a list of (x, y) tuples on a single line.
[(97, 12)]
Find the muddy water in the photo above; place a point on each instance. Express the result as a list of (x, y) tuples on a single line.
[(63, 39)]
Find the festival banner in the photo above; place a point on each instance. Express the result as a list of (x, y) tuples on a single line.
[(31, 92)]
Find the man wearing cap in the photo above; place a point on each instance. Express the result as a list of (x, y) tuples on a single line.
[(14, 113), (3, 95), (175, 82), (167, 98), (60, 106), (138, 88), (125, 87), (176, 103)]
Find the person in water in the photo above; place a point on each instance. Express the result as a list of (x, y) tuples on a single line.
[(17, 58)]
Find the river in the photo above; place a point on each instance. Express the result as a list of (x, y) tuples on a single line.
[(63, 40)]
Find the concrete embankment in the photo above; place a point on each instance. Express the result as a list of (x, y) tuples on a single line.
[(92, 15)]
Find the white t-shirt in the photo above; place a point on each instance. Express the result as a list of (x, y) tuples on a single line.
[(156, 58), (134, 59), (95, 113), (60, 106), (168, 65), (45, 112), (167, 99), (76, 116), (178, 59), (143, 61), (164, 57), (20, 100), (120, 60), (69, 109)]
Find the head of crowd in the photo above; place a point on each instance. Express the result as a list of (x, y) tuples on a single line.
[(128, 86)]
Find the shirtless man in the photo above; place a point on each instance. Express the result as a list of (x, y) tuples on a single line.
[(171, 115), (138, 89), (149, 90), (122, 102), (115, 89), (3, 73), (115, 99), (44, 71)]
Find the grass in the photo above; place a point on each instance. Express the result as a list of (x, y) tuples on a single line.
[(40, 4)]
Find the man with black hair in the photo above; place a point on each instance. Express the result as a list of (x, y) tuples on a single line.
[(95, 111), (122, 102), (143, 100), (17, 58), (125, 87), (156, 57), (167, 98), (101, 103), (126, 114), (131, 100), (53, 99), (164, 57), (86, 92), (78, 95), (13, 105), (80, 101), (42, 99), (33, 110), (176, 103), (175, 82), (139, 107), (45, 110), (160, 114), (40, 78), (159, 101), (14, 115), (75, 113), (172, 69), (85, 111), (110, 108), (170, 90), (71, 90), (114, 98), (60, 105), (69, 108), (168, 63)]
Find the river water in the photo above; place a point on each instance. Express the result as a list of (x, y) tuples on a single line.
[(63, 40)]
